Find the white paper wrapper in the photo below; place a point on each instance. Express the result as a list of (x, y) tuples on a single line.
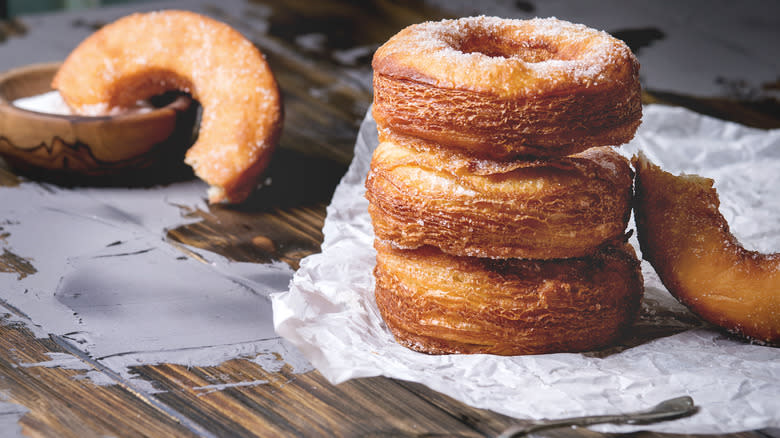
[(330, 313)]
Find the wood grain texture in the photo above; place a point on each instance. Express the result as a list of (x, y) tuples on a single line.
[(63, 403), (307, 405)]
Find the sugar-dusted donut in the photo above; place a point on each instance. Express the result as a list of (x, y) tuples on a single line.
[(141, 55), (504, 88), (556, 208), (437, 303), (688, 242)]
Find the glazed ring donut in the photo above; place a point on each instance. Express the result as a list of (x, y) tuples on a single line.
[(688, 242), (142, 55), (503, 88), (437, 303), (558, 208)]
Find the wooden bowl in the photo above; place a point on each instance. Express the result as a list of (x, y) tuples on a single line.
[(79, 149)]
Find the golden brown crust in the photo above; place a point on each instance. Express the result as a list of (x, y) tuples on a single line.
[(141, 55), (688, 242), (566, 207), (437, 303), (508, 88)]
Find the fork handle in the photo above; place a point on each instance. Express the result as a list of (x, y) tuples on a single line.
[(628, 418)]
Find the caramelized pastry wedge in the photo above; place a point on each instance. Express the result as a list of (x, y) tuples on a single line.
[(688, 242)]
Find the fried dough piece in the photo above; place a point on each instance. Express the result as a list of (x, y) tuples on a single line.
[(142, 55), (437, 303), (688, 242), (504, 88), (557, 208)]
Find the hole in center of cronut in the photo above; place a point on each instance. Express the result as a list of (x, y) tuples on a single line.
[(495, 47)]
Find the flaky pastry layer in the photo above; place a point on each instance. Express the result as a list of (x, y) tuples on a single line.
[(436, 303), (560, 208), (504, 88)]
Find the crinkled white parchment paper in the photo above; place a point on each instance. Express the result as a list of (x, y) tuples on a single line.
[(329, 312)]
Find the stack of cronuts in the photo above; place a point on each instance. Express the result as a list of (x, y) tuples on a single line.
[(498, 205)]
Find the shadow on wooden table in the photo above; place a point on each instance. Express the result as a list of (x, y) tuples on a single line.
[(281, 221)]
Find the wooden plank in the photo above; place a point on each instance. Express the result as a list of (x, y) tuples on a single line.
[(62, 403), (307, 405), (282, 221)]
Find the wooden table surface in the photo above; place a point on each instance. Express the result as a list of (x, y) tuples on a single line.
[(315, 151)]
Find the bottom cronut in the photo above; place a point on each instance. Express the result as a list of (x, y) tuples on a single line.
[(438, 304)]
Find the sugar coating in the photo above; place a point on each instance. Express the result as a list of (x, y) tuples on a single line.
[(435, 49), (51, 102), (146, 54)]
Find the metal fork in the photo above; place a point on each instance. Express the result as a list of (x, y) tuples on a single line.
[(666, 410)]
